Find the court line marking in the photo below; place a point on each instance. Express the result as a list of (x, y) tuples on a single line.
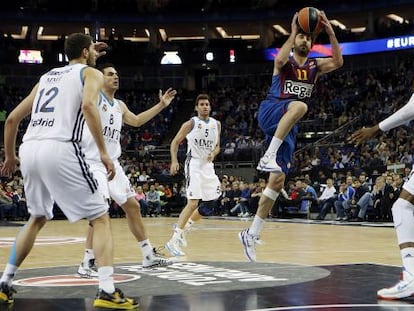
[(335, 306)]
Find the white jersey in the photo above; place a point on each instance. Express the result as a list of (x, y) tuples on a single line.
[(110, 113), (56, 112), (202, 138)]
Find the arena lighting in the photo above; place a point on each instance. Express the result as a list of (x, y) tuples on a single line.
[(222, 32), (337, 24), (358, 29), (171, 58), (40, 35), (62, 58), (356, 48), (280, 29), (163, 34), (186, 38), (397, 18), (22, 34)]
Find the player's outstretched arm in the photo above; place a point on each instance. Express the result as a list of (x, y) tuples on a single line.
[(143, 117), (400, 117)]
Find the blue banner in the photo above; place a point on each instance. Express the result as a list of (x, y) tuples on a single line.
[(354, 48)]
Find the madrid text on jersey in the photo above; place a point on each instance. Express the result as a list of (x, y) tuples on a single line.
[(111, 133), (43, 122), (206, 144), (300, 89)]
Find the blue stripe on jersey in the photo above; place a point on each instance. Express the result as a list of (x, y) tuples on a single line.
[(100, 99), (81, 75), (107, 99), (93, 184)]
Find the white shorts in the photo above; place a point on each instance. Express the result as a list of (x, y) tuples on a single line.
[(57, 171), (409, 184), (201, 180), (119, 188)]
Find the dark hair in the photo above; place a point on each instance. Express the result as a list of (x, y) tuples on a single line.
[(102, 67), (75, 43), (312, 36), (201, 96)]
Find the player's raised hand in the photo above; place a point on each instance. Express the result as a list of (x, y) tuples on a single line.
[(100, 47), (167, 97)]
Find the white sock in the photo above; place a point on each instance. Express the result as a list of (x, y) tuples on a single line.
[(8, 274), (178, 232), (256, 226), (106, 279), (407, 255), (146, 248), (189, 224), (274, 145), (88, 255)]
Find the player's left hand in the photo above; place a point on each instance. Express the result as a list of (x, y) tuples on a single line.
[(326, 24), (168, 96)]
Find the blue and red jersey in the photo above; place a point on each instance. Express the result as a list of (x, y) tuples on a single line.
[(294, 82)]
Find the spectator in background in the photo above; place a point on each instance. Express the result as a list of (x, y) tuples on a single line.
[(398, 183), (242, 204), (153, 201), (256, 191), (310, 196), (144, 177), (360, 201), (229, 150), (142, 200), (224, 199), (19, 201), (383, 198), (342, 204), (326, 199), (6, 205), (146, 137)]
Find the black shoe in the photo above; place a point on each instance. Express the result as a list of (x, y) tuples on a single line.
[(6, 294)]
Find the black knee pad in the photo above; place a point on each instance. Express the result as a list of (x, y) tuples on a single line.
[(207, 208)]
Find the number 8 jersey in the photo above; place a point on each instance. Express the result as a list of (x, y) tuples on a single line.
[(54, 116)]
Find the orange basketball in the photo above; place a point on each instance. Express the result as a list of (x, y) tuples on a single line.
[(309, 20)]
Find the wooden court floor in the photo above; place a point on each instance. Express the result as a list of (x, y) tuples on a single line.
[(325, 252)]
